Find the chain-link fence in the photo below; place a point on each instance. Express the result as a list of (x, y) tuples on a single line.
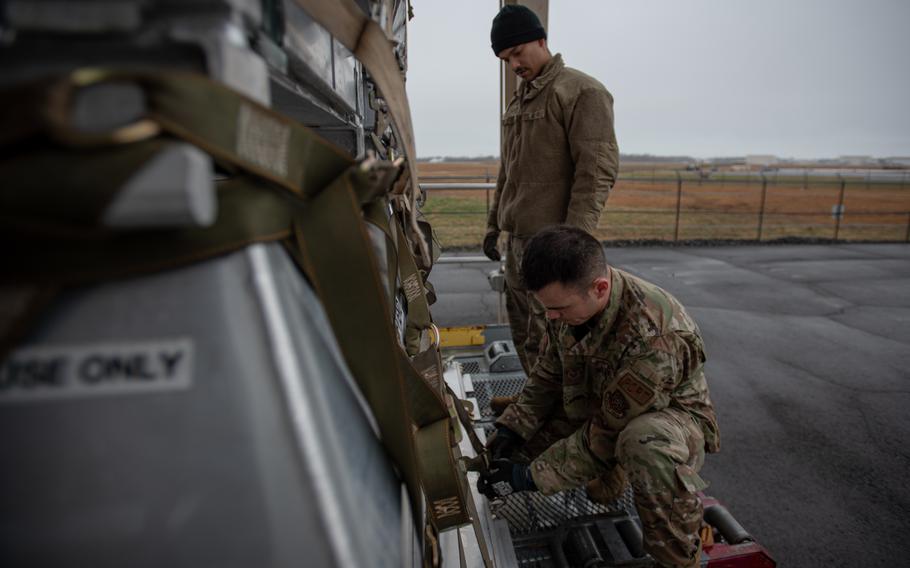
[(663, 205)]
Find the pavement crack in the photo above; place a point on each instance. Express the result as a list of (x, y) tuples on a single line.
[(868, 428), (843, 312), (838, 312)]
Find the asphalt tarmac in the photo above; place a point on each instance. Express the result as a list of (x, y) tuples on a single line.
[(809, 369)]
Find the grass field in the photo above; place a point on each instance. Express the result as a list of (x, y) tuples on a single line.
[(639, 208)]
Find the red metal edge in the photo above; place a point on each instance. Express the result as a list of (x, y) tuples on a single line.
[(744, 555)]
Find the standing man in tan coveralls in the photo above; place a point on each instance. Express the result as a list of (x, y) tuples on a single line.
[(619, 393), (558, 159)]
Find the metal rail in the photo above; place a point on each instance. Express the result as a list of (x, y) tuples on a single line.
[(457, 186)]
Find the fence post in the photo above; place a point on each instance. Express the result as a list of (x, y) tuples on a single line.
[(761, 210), (840, 207), (487, 190), (678, 203)]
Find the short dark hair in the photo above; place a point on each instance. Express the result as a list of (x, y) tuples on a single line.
[(563, 254)]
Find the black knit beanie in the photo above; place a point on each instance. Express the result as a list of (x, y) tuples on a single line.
[(513, 25)]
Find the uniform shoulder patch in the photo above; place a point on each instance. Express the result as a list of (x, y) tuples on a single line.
[(617, 404), (635, 389)]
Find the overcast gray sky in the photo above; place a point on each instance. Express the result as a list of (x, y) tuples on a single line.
[(793, 78)]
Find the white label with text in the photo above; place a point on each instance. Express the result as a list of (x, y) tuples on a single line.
[(69, 371)]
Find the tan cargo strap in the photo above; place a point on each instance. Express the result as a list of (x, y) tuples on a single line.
[(235, 130), (468, 424), (420, 322), (59, 240), (370, 45), (55, 222), (428, 362), (250, 211), (360, 318), (354, 301), (412, 282), (435, 407)]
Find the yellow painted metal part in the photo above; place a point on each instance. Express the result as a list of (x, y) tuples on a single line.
[(461, 336)]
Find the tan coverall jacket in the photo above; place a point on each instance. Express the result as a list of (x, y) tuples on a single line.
[(559, 155)]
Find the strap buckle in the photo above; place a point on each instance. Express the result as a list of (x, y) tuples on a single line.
[(86, 87)]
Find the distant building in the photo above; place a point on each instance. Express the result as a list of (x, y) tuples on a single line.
[(758, 161), (858, 160), (897, 161), (727, 161)]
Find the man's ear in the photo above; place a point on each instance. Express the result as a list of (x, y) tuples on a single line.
[(601, 286)]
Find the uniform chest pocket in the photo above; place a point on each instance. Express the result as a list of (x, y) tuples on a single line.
[(511, 125), (534, 115), (601, 371), (575, 388)]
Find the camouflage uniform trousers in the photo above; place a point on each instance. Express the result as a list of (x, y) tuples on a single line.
[(527, 316), (661, 453)]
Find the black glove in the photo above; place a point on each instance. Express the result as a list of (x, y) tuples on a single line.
[(503, 443), (505, 478), (489, 245)]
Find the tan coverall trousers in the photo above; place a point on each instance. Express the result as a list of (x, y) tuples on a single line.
[(527, 317)]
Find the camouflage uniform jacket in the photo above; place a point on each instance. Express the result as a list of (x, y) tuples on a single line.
[(643, 354), (559, 155)]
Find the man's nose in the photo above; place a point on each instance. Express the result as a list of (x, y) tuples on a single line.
[(515, 63)]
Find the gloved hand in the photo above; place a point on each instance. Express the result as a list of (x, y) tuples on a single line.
[(505, 478), (489, 245), (503, 442), (608, 486), (498, 404)]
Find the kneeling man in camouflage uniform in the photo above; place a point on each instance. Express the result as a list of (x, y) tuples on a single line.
[(619, 393)]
